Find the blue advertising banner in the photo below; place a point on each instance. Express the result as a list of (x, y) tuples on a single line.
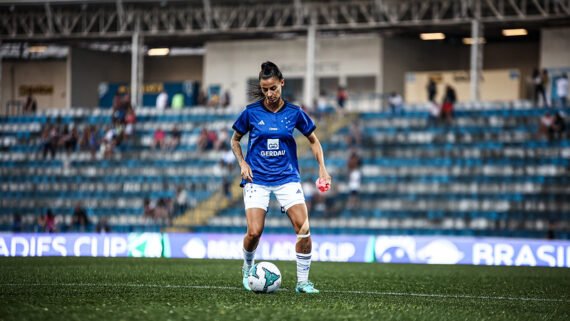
[(332, 248), (338, 248), (472, 251), (81, 244)]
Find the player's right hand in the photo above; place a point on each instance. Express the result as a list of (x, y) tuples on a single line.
[(246, 172)]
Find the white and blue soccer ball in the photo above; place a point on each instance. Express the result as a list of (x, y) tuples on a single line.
[(264, 277)]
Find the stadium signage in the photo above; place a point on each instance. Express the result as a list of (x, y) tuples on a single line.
[(472, 251), (271, 247), (75, 244), (332, 248)]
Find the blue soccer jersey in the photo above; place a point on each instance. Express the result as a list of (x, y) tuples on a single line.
[(271, 149)]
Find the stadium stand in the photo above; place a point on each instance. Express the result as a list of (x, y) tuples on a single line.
[(487, 174), (115, 187)]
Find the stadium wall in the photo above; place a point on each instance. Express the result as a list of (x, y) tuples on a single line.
[(522, 56), (89, 68), (48, 80), (173, 69), (555, 48), (496, 85), (402, 55), (231, 64)]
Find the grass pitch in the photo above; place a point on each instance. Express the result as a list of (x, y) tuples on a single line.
[(182, 289)]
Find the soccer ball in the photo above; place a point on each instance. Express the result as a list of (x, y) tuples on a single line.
[(265, 277)]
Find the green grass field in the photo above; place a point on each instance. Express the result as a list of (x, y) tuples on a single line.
[(182, 289)]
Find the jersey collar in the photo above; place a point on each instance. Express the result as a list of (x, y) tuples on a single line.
[(272, 112)]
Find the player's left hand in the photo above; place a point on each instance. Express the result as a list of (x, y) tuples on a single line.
[(324, 182)]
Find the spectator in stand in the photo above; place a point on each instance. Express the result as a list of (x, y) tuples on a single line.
[(89, 141), (214, 101), (354, 137), (434, 112), (71, 144), (162, 100), (448, 101), (40, 222), (353, 166), (322, 103), (212, 138), (148, 208), (222, 140), (175, 137), (51, 142), (180, 200), (562, 89), (116, 101), (227, 161), (341, 97), (178, 101), (130, 121), (545, 123), (202, 98), (102, 226), (227, 99), (538, 87), (159, 139), (79, 219), (557, 128), (227, 188), (93, 142), (161, 211), (396, 103), (109, 141), (431, 90), (17, 225), (546, 86), (203, 140), (30, 106), (68, 139), (120, 110), (46, 129), (49, 223)]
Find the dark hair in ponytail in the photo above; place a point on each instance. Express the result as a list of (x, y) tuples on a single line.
[(268, 70)]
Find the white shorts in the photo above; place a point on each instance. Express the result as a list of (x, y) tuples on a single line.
[(257, 196)]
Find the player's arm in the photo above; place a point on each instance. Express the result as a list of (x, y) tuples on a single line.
[(319, 155), (246, 172)]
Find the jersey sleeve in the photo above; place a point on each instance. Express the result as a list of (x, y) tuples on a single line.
[(305, 124), (241, 125)]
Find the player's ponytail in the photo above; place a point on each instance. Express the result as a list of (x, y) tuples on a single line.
[(268, 70)]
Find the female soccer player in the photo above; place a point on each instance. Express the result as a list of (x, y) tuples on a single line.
[(271, 166)]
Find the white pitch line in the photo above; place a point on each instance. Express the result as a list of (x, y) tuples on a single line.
[(167, 286)]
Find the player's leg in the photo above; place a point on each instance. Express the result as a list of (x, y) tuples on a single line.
[(256, 200), (292, 200), (299, 217)]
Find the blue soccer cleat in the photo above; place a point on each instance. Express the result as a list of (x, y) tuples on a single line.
[(306, 287), (245, 272)]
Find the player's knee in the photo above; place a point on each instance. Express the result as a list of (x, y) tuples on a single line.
[(254, 233), (304, 231)]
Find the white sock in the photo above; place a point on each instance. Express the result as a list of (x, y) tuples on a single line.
[(248, 258), (303, 266)]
